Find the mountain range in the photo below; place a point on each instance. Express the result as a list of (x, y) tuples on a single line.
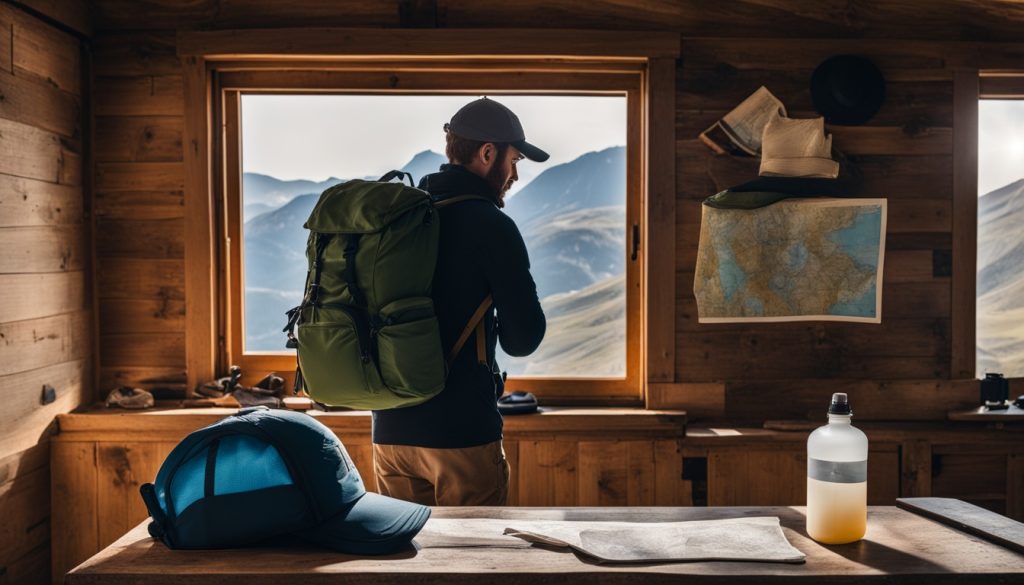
[(572, 217), (1000, 313)]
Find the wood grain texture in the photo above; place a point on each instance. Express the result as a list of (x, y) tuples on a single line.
[(26, 100), (73, 503), (900, 547), (138, 139), (45, 53), (133, 54), (200, 209), (139, 176), (6, 20), (139, 205), (154, 349), (27, 151), (29, 202), (121, 469), (74, 14), (354, 41), (36, 343), (24, 506), (965, 223), (25, 422), (142, 316), (661, 214), (32, 296), (157, 239), (42, 249), (162, 382), (145, 95), (133, 278), (969, 518)]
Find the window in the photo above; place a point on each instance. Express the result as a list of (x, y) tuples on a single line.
[(291, 133), (1000, 260)]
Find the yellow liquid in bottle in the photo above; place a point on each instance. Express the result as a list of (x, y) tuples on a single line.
[(837, 513)]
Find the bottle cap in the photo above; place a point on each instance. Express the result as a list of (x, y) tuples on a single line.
[(840, 404)]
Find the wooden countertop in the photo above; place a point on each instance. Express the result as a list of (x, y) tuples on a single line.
[(899, 547)]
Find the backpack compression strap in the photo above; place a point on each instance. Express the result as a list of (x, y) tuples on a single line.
[(475, 322)]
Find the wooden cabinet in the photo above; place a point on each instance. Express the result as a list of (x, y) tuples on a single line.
[(564, 457), (761, 467)]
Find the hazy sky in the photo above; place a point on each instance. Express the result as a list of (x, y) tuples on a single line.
[(318, 136), (1000, 143)]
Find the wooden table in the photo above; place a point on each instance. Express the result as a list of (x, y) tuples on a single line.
[(899, 547)]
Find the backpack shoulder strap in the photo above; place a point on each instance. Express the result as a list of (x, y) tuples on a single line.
[(451, 200), (475, 322)]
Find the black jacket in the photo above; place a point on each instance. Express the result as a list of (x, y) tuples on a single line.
[(481, 252)]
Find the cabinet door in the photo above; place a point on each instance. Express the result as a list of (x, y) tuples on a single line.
[(973, 473), (778, 477)]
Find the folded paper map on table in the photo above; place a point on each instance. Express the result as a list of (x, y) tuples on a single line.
[(735, 539)]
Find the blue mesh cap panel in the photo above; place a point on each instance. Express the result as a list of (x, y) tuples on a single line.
[(246, 464), (187, 485)]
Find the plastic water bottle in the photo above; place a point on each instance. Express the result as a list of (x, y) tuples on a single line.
[(837, 473)]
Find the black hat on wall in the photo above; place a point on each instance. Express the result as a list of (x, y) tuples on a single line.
[(847, 89)]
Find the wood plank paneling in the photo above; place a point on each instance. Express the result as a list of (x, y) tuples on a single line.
[(133, 54), (152, 349), (139, 205), (24, 506), (5, 39), (74, 505), (24, 420), (660, 224), (736, 475), (121, 470), (29, 152), (42, 249), (31, 296), (133, 278), (512, 457), (141, 176), (142, 316), (965, 224), (159, 239), (27, 101), (145, 95), (27, 202), (163, 382), (138, 139), (36, 343), (45, 53), (547, 473), (24, 462), (71, 13)]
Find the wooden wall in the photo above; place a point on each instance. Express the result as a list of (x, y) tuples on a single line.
[(45, 304), (721, 371)]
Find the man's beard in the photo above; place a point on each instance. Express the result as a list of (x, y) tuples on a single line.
[(495, 178)]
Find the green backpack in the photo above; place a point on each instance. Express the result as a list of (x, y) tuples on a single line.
[(367, 336)]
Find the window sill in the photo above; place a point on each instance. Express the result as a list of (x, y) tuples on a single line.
[(172, 424)]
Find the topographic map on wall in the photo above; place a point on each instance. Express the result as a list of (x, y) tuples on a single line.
[(795, 260)]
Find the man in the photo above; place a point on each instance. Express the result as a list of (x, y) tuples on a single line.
[(447, 451)]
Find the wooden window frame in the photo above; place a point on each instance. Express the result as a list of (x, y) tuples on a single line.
[(220, 65), (969, 87)]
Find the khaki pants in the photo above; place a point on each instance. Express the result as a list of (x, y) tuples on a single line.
[(472, 476)]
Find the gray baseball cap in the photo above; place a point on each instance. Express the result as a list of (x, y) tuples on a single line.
[(489, 121)]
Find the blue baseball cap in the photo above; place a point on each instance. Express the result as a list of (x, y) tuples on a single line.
[(262, 474)]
